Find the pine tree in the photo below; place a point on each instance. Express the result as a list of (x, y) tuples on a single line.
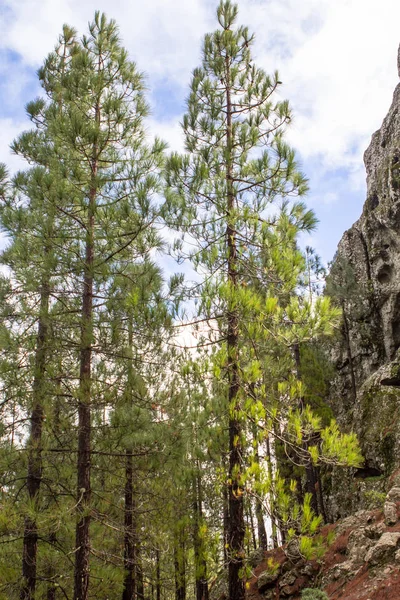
[(90, 134), (232, 114)]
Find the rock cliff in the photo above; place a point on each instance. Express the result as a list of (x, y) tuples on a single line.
[(365, 279)]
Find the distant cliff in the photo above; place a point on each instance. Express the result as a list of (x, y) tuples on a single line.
[(365, 279)]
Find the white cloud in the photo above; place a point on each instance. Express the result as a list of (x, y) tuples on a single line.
[(169, 131), (337, 60), (162, 35), (10, 129), (340, 79)]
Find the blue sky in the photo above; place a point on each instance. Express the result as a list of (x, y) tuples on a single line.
[(337, 59)]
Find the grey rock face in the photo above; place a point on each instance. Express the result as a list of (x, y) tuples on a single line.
[(394, 494), (386, 547), (390, 512), (365, 278)]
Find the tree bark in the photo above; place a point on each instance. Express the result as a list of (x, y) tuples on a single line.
[(82, 538), (34, 476), (131, 581), (139, 574), (179, 564), (158, 575), (199, 558), (129, 588), (236, 528), (261, 530), (225, 509), (272, 509), (311, 478)]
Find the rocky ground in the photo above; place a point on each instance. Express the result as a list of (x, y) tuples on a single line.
[(362, 563)]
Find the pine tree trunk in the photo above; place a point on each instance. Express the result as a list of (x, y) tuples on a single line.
[(199, 558), (129, 543), (179, 564), (311, 479), (131, 581), (236, 528), (82, 539), (261, 530), (273, 515), (225, 509), (139, 574), (34, 476), (311, 485), (158, 575)]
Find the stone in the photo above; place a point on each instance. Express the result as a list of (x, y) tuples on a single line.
[(308, 570), (384, 549), (390, 512), (361, 518), (394, 494), (375, 531), (266, 579), (358, 545), (340, 571), (288, 579)]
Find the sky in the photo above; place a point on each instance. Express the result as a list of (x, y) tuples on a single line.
[(336, 59)]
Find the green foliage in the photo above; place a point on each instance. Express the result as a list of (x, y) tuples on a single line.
[(375, 499), (170, 430)]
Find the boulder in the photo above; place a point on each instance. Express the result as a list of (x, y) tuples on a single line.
[(394, 494), (384, 549)]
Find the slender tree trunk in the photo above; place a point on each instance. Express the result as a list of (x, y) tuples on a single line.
[(130, 550), (158, 575), (179, 564), (129, 542), (261, 530), (199, 558), (225, 508), (252, 527), (311, 479), (82, 539), (139, 574), (273, 515), (311, 485), (236, 529), (34, 477)]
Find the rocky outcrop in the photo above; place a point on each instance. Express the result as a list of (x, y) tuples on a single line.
[(362, 563), (365, 279)]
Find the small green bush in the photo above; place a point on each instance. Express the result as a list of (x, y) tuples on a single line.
[(313, 594)]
